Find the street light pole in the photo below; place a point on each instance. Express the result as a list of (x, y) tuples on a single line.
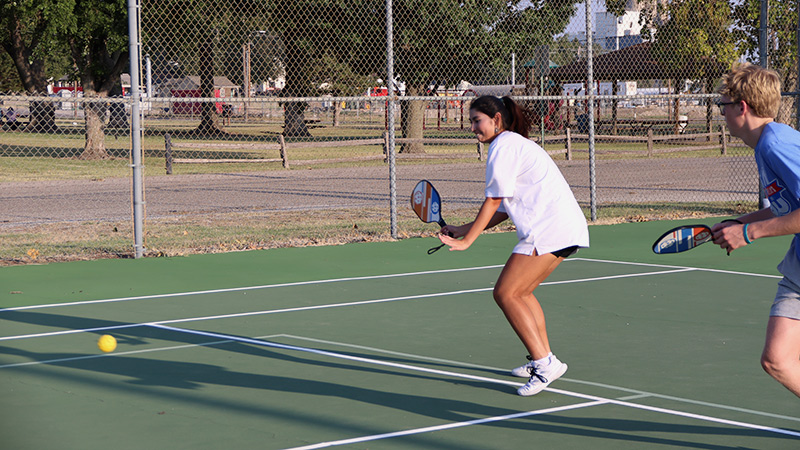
[(246, 59)]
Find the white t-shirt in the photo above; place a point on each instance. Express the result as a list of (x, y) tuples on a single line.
[(535, 195)]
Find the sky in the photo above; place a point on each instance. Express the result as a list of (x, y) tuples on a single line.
[(578, 22)]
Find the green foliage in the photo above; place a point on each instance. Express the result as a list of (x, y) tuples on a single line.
[(99, 42), (443, 41), (616, 7), (782, 36), (9, 78), (339, 78), (33, 32), (311, 35), (566, 50), (696, 37)]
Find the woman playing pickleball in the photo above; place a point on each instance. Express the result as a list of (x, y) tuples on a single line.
[(523, 184)]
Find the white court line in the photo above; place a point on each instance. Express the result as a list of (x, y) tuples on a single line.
[(262, 343), (533, 413), (370, 277), (702, 269), (448, 426), (677, 270), (130, 352), (684, 400), (248, 288), (636, 393), (244, 314), (316, 307), (593, 398)]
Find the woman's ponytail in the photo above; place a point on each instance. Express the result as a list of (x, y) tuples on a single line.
[(514, 117), (518, 120)]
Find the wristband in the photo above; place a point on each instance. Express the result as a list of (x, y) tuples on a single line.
[(744, 232)]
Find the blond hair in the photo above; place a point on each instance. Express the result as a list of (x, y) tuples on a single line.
[(758, 87)]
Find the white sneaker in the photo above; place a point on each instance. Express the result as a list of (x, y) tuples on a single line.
[(524, 371), (541, 377)]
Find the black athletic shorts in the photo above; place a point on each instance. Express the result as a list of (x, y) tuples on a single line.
[(566, 252)]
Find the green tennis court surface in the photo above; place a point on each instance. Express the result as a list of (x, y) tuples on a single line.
[(370, 346)]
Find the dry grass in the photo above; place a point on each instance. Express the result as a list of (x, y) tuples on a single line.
[(219, 233)]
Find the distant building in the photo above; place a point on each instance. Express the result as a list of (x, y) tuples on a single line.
[(613, 33), (190, 87), (223, 87)]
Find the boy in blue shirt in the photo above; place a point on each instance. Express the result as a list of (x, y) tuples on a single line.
[(751, 97)]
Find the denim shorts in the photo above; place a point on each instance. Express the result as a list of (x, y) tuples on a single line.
[(787, 299)]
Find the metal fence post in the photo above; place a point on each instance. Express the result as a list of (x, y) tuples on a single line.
[(590, 103), (390, 119), (136, 130), (764, 62)]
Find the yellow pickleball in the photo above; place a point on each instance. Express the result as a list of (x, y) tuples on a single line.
[(107, 343)]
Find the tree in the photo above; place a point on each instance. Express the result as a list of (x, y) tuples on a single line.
[(9, 77), (185, 38), (695, 39), (339, 79), (206, 37), (439, 42), (98, 43), (339, 43), (696, 44), (781, 45), (31, 37), (567, 50)]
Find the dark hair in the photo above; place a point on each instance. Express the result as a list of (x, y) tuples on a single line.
[(514, 117)]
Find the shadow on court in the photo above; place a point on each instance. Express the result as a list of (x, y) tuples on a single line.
[(149, 377)]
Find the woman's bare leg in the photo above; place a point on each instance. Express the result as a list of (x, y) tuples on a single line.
[(514, 295)]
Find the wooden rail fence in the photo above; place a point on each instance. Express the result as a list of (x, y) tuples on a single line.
[(713, 141)]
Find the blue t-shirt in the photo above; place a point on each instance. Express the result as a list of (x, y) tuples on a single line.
[(778, 158)]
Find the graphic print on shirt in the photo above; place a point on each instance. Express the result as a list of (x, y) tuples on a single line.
[(779, 198)]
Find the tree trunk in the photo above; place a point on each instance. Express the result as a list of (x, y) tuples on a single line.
[(294, 120), (337, 111), (209, 118), (118, 116), (33, 76), (42, 117), (95, 147), (412, 121)]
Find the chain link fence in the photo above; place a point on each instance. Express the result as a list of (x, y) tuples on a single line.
[(280, 123)]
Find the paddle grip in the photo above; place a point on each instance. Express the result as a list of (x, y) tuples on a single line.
[(443, 224)]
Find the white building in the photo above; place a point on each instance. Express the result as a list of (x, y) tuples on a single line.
[(613, 33)]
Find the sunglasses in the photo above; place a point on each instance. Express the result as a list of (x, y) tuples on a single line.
[(721, 105)]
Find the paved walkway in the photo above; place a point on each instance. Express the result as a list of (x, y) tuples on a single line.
[(461, 185)]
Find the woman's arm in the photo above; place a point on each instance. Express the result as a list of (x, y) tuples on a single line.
[(487, 217)]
